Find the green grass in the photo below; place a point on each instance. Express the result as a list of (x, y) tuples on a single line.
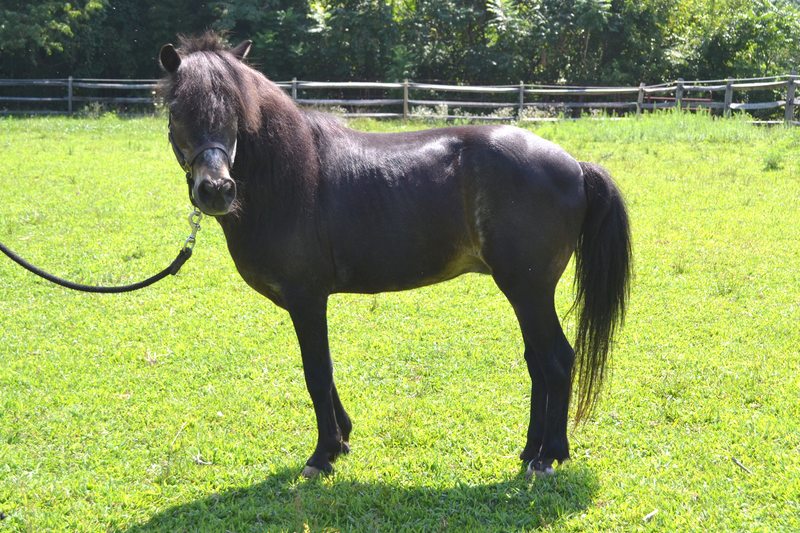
[(111, 407)]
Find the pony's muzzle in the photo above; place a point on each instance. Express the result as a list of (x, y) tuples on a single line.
[(215, 196)]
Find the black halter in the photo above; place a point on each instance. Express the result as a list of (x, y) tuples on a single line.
[(187, 163)]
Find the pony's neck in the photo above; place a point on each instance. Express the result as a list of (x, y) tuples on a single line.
[(277, 162)]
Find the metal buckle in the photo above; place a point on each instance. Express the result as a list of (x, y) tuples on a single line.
[(194, 222)]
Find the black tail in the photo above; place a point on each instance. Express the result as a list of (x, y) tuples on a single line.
[(602, 274)]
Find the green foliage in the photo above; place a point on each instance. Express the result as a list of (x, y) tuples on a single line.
[(183, 407), (31, 33), (279, 29), (740, 37), (95, 38), (350, 39), (476, 41)]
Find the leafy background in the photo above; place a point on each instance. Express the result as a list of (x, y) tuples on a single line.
[(486, 41)]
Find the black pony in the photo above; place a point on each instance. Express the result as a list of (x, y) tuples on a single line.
[(310, 208)]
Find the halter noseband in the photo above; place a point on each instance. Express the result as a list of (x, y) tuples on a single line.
[(187, 163)]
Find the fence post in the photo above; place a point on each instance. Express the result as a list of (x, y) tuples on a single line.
[(294, 89), (405, 99), (69, 95), (640, 99), (791, 85), (728, 97), (679, 94), (521, 107)]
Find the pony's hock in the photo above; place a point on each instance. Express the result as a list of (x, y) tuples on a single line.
[(320, 209)]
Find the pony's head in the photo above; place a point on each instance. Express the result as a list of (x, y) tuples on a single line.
[(204, 94)]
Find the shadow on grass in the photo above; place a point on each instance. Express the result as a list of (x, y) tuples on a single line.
[(284, 502)]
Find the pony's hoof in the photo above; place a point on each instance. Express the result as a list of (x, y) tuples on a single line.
[(310, 472), (540, 469)]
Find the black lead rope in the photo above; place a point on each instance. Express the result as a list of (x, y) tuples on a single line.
[(176, 265), (173, 268)]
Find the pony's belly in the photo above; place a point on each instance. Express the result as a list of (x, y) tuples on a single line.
[(405, 275)]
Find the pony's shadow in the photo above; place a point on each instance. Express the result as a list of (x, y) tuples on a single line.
[(284, 502)]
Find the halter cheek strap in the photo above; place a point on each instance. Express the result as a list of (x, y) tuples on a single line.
[(187, 163)]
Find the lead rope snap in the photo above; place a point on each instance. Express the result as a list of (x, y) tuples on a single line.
[(194, 222)]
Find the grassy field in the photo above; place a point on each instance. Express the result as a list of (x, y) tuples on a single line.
[(183, 406)]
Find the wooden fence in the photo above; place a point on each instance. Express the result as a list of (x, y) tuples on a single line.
[(762, 97)]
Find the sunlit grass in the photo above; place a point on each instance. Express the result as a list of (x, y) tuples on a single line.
[(183, 406)]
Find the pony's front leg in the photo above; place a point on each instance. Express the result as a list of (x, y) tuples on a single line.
[(310, 324)]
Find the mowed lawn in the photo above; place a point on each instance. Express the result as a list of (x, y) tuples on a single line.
[(183, 407)]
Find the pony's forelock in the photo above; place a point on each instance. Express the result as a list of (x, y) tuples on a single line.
[(211, 84), (209, 41)]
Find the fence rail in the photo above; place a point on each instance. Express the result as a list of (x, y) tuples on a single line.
[(428, 100)]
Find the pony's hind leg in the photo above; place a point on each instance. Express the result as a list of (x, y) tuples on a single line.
[(533, 444), (550, 358)]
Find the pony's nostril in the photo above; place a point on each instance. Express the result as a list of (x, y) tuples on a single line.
[(228, 190), (216, 195), (207, 187)]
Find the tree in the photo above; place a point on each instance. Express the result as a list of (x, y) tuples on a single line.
[(278, 29), (470, 41), (720, 38), (36, 33), (351, 39)]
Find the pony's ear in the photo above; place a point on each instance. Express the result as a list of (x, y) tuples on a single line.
[(242, 49), (169, 57)]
